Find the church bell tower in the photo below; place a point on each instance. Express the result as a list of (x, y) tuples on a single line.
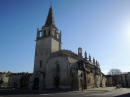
[(48, 40)]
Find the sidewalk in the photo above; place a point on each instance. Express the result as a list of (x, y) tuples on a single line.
[(101, 89), (96, 90)]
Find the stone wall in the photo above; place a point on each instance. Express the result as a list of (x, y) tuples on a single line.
[(4, 78), (90, 80), (104, 81), (123, 80), (57, 73), (15, 80), (128, 79)]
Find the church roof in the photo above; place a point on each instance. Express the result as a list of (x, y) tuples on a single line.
[(66, 52), (74, 55), (50, 18)]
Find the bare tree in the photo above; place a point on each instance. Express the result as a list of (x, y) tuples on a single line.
[(114, 72)]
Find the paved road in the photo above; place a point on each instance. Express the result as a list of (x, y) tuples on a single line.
[(101, 92)]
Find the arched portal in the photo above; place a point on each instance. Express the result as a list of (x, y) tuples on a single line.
[(57, 76), (36, 84)]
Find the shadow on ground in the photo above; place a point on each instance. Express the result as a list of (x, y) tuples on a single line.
[(28, 92), (124, 95)]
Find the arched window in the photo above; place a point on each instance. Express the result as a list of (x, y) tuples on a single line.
[(40, 34)]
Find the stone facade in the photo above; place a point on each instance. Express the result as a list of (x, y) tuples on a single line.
[(19, 80), (14, 80), (4, 79), (64, 69), (109, 82), (128, 79), (123, 80), (58, 68)]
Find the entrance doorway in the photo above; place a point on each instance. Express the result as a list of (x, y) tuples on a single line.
[(36, 84)]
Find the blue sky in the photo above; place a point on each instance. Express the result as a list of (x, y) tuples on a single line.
[(101, 27)]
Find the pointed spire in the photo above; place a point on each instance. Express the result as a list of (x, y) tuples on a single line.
[(93, 61), (96, 62), (98, 65), (60, 36), (50, 18), (89, 58), (85, 54), (80, 51)]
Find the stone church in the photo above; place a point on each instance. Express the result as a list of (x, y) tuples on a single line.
[(55, 67)]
